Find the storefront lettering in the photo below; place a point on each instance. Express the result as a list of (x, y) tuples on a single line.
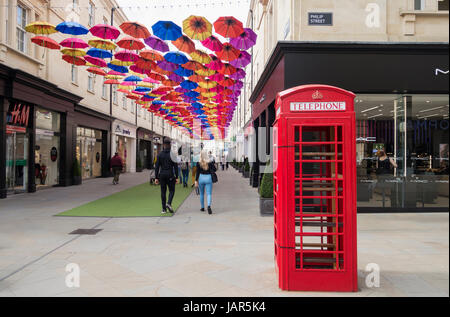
[(19, 115), (440, 71), (318, 106)]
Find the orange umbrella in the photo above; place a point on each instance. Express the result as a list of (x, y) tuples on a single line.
[(161, 71), (135, 29), (46, 42), (130, 43), (145, 64), (228, 53), (111, 82), (201, 57), (96, 71), (184, 44), (151, 54), (197, 28), (227, 82), (169, 82), (227, 69), (196, 78), (193, 65), (229, 27)]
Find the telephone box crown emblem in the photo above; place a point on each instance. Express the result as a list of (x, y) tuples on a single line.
[(317, 95)]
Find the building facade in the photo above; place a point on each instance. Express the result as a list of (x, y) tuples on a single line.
[(393, 55)]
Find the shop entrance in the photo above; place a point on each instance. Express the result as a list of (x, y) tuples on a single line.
[(16, 162)]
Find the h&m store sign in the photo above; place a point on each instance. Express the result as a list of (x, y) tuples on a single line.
[(18, 114)]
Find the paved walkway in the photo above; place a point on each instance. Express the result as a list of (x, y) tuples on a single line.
[(229, 253)]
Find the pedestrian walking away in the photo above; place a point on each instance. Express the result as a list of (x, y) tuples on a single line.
[(205, 168), (166, 174), (116, 167), (185, 172)]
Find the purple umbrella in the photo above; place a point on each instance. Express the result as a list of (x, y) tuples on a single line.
[(176, 78), (240, 74), (181, 90), (244, 41), (157, 44), (243, 60), (237, 85), (168, 66)]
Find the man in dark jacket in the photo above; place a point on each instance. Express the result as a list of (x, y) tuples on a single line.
[(166, 174), (116, 167)]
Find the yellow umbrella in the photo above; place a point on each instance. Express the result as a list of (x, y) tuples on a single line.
[(102, 44), (205, 72), (201, 57), (121, 63), (113, 77), (207, 84), (73, 52), (40, 27), (131, 87), (197, 28), (209, 94), (146, 85)]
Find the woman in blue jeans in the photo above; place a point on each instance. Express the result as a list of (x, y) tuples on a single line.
[(205, 168)]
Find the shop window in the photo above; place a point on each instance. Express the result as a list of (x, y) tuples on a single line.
[(20, 29), (443, 5), (89, 152)]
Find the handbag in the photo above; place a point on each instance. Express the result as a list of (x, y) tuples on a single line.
[(197, 191), (214, 177)]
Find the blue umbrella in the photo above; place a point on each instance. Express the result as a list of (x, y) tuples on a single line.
[(117, 68), (184, 72), (197, 105), (142, 89), (187, 84), (158, 102), (99, 53), (192, 93), (72, 28), (167, 30), (133, 78), (176, 58)]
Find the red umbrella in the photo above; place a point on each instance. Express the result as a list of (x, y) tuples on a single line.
[(75, 60), (96, 71), (215, 64), (135, 29), (169, 82), (95, 61), (74, 43), (104, 31), (156, 76), (229, 27), (227, 69), (130, 43), (227, 82), (46, 42), (228, 53), (144, 63)]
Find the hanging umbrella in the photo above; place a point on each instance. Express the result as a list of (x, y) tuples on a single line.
[(176, 78), (145, 64), (130, 43), (193, 94), (184, 44), (126, 56), (176, 58), (197, 28), (167, 30), (132, 79), (73, 52), (72, 28), (215, 63), (96, 61), (102, 44), (180, 71), (46, 42), (205, 72), (227, 69), (201, 57), (196, 78), (117, 68), (40, 27), (149, 80), (135, 29), (151, 55), (181, 90), (228, 53), (121, 63), (243, 60), (212, 43), (104, 31), (217, 77), (227, 82), (207, 84), (162, 89), (228, 27), (157, 44), (170, 83), (187, 84), (111, 82), (239, 74), (156, 77), (245, 40), (96, 71), (193, 65), (99, 53), (74, 43), (161, 71), (75, 60)]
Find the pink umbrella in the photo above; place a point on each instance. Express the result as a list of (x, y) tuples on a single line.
[(216, 64), (104, 31), (213, 43), (114, 73), (137, 69), (244, 41), (243, 60), (74, 43), (95, 61), (157, 44), (150, 80), (217, 77), (126, 56)]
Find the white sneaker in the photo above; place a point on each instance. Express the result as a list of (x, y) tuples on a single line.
[(163, 212)]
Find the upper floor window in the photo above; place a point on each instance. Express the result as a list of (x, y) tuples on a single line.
[(74, 74), (91, 82), (124, 102), (132, 107), (91, 14), (419, 4), (21, 33), (104, 90), (114, 88), (443, 5)]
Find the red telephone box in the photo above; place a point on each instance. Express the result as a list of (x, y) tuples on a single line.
[(315, 189)]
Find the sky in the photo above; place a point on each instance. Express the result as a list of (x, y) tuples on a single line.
[(148, 12)]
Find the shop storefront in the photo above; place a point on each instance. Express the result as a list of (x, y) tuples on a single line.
[(145, 148), (157, 146), (402, 108), (36, 131), (124, 143)]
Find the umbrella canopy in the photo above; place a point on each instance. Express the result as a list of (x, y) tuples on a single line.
[(132, 78), (201, 57), (245, 40), (193, 65), (130, 43), (145, 64), (176, 58), (74, 43), (157, 77), (121, 63), (102, 44), (239, 74), (227, 69), (135, 29), (99, 53), (126, 56), (228, 27), (243, 60), (111, 82), (228, 53), (217, 77), (184, 44), (189, 85), (180, 71), (40, 27), (151, 55), (215, 63), (157, 44), (197, 28), (207, 83), (72, 28), (227, 82), (46, 42), (176, 78), (212, 43), (117, 68), (73, 52), (205, 72), (96, 71), (196, 78), (96, 61), (75, 60), (167, 30), (167, 66), (104, 31)]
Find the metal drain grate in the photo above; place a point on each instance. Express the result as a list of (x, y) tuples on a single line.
[(86, 231)]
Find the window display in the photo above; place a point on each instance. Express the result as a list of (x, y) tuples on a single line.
[(89, 152)]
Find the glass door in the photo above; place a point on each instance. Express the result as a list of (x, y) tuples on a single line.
[(16, 162)]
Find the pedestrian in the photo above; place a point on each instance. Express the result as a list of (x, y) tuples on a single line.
[(166, 173), (185, 172), (179, 163), (193, 169), (205, 168), (223, 162), (116, 166)]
